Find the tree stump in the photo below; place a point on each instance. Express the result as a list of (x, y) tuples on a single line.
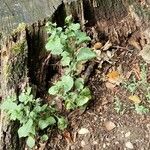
[(23, 50)]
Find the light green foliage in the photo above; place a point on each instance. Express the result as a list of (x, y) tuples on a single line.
[(32, 115), (142, 86), (71, 44), (117, 105), (140, 109), (131, 85), (44, 138)]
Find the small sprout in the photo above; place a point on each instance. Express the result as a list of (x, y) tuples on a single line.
[(70, 43), (140, 109), (31, 113), (117, 105)]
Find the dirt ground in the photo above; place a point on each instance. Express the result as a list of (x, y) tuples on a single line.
[(100, 127)]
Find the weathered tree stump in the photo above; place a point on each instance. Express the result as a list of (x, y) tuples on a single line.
[(23, 50)]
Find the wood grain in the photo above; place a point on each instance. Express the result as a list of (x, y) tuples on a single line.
[(13, 12)]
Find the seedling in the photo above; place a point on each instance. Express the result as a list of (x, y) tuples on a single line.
[(70, 43), (32, 115), (141, 86), (140, 109), (131, 85)]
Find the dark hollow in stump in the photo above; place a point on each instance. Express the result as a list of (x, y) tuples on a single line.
[(23, 54)]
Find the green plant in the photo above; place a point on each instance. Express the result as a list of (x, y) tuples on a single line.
[(140, 86), (70, 43), (140, 109), (32, 115), (131, 85), (117, 105)]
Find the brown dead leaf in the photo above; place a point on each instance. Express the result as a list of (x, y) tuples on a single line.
[(134, 43), (135, 99), (67, 136), (109, 125), (114, 77), (98, 45)]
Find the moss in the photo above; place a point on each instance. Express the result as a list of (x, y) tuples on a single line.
[(18, 47), (21, 27)]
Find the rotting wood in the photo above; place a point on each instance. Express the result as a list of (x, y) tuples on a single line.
[(14, 12), (112, 19)]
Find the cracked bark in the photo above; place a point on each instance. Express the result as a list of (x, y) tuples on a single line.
[(112, 19)]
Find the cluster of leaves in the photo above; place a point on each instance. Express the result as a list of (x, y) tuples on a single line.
[(32, 115), (70, 43), (141, 86)]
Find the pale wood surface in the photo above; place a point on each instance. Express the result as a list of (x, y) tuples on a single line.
[(13, 12)]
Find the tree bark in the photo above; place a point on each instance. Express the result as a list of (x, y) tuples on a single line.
[(23, 52)]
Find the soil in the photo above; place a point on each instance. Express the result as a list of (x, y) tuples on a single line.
[(128, 130)]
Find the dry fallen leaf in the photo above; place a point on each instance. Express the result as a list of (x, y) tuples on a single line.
[(114, 77), (109, 125), (134, 43), (67, 136), (83, 131), (98, 45), (135, 99)]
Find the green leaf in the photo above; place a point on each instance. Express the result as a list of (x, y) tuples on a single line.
[(67, 82), (70, 100), (30, 141), (140, 109), (45, 123), (70, 105), (25, 129), (65, 61), (25, 97), (53, 90), (82, 37), (82, 100), (61, 123), (54, 45), (85, 54), (63, 38), (16, 114), (8, 105), (74, 26), (84, 97), (22, 97), (79, 84), (28, 90), (68, 19), (44, 138)]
